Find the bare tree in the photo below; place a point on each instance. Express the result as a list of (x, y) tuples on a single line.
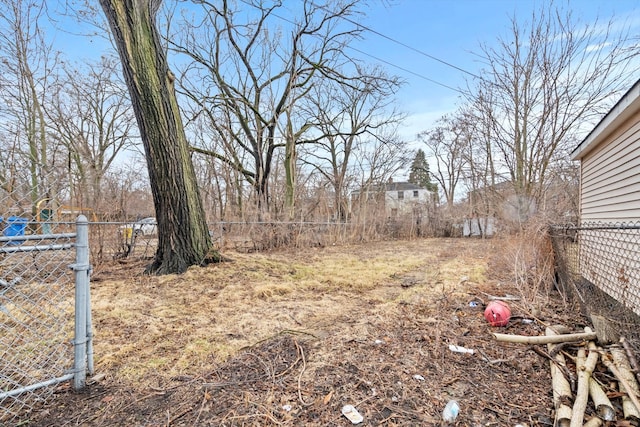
[(26, 76), (250, 72), (543, 85), (380, 158), (93, 118), (350, 123), (183, 234), (221, 183), (447, 144)]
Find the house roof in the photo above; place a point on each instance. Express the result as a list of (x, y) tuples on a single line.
[(400, 186), (628, 105), (391, 186)]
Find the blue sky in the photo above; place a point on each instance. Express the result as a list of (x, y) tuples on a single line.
[(452, 30)]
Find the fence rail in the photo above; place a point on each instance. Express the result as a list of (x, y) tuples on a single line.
[(598, 265), (45, 317)]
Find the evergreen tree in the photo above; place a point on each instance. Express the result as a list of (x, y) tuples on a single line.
[(419, 172)]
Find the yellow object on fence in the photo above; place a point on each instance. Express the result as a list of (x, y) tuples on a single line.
[(128, 232)]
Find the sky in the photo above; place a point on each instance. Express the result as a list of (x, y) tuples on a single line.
[(452, 31), (412, 39)]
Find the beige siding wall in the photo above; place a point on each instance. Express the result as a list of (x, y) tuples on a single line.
[(610, 182)]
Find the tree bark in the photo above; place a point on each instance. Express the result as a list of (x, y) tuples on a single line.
[(182, 230)]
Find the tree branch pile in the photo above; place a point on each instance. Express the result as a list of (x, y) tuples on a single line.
[(591, 384)]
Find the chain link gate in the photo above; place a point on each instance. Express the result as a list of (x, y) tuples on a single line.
[(45, 316)]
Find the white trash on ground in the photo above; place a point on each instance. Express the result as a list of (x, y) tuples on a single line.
[(458, 349), (352, 414), (450, 412)]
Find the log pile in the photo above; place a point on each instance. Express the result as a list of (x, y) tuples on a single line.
[(593, 380)]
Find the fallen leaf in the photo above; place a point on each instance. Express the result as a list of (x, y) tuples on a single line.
[(327, 398)]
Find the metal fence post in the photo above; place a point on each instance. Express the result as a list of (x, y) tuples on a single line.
[(81, 268), (90, 368)]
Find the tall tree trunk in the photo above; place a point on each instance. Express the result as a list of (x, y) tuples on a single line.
[(183, 234), (290, 177), (290, 159)]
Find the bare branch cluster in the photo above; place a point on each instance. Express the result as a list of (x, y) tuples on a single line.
[(544, 86)]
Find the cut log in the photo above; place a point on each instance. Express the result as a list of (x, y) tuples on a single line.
[(601, 401), (603, 405), (584, 367), (630, 404), (629, 407), (560, 385), (593, 422), (548, 339)]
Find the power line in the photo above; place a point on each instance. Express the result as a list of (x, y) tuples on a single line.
[(407, 70), (442, 61), (380, 59)]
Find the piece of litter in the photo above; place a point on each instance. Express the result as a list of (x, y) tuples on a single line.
[(418, 377), (450, 412), (379, 342), (286, 407), (458, 349), (352, 414)]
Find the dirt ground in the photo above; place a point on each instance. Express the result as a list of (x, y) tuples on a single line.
[(290, 337)]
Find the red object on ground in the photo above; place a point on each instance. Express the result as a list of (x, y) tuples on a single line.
[(497, 313)]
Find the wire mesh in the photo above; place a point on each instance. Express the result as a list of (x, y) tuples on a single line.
[(36, 316), (36, 290), (598, 265)]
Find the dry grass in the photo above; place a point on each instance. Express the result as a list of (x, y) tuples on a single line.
[(151, 327), (310, 330)]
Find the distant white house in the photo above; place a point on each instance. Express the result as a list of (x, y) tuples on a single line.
[(399, 198)]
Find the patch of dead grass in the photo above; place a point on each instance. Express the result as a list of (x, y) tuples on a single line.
[(309, 330), (173, 325)]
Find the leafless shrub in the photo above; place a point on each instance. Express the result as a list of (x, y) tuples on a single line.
[(526, 258)]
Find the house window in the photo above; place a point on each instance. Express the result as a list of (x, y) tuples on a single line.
[(415, 193), (400, 195)]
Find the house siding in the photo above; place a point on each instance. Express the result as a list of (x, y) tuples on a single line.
[(408, 202), (414, 199), (610, 176), (609, 199)]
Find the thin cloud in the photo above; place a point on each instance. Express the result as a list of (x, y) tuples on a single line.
[(597, 47)]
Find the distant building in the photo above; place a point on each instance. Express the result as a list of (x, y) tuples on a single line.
[(399, 198)]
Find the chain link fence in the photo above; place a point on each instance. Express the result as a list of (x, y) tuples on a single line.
[(119, 240), (43, 288), (598, 265)]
